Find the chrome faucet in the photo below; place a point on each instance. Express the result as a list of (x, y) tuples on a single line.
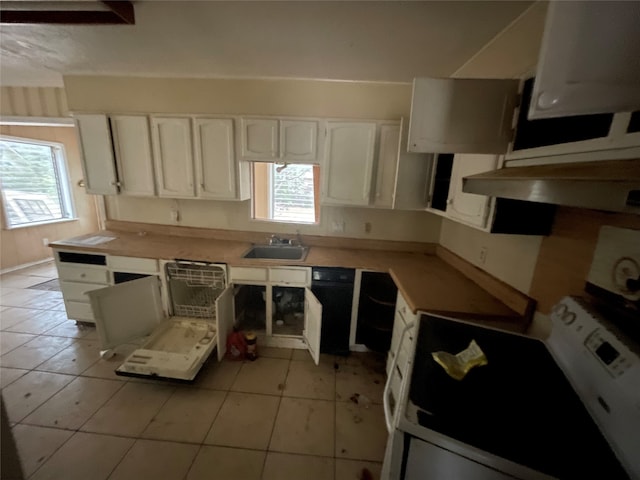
[(275, 240)]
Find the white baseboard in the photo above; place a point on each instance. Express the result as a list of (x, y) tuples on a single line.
[(25, 265)]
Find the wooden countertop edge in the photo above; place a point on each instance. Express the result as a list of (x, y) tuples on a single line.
[(263, 237), (514, 299)]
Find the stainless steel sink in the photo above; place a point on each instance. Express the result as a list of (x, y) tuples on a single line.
[(277, 252)]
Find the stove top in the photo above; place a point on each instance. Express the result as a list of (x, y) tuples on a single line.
[(520, 406)]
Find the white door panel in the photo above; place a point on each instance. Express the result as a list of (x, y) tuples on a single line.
[(132, 146), (172, 151), (215, 158), (224, 319), (127, 311), (97, 154), (312, 324)]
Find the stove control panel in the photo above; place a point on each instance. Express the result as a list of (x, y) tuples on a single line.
[(582, 326)]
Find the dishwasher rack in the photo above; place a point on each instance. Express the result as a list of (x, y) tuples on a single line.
[(194, 288)]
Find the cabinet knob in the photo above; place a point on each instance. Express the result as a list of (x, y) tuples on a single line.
[(449, 201), (82, 275)]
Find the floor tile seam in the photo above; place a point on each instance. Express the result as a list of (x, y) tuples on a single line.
[(44, 361), (204, 438), (275, 419), (48, 398), (33, 474), (90, 416), (110, 398)]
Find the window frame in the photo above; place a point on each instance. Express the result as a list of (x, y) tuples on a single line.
[(65, 190), (272, 165)]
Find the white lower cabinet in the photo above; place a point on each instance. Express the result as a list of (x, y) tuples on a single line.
[(399, 352), (79, 273), (171, 347), (277, 304)]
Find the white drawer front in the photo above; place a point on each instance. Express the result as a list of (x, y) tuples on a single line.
[(76, 291), (290, 275), (248, 274), (132, 264), (79, 311), (403, 307), (83, 274)]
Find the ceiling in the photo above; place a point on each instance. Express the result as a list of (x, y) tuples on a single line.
[(375, 41)]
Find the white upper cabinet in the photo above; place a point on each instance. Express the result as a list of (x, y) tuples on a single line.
[(588, 60), (97, 154), (461, 115), (348, 165), (215, 160), (259, 139), (413, 176), (279, 140), (386, 165), (298, 140), (132, 146), (172, 151), (469, 207)]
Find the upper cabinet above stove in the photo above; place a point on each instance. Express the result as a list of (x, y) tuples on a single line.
[(584, 98)]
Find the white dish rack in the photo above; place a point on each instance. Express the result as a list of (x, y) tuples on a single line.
[(194, 289)]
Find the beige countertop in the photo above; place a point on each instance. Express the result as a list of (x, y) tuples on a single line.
[(427, 282)]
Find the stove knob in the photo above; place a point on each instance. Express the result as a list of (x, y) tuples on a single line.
[(559, 310), (568, 318)]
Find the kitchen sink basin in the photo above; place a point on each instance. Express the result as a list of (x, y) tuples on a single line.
[(277, 252)]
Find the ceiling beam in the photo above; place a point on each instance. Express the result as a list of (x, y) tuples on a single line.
[(118, 13)]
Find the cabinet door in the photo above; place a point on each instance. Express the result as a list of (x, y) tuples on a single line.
[(259, 139), (312, 324), (588, 60), (386, 165), (215, 159), (127, 311), (461, 115), (349, 163), (469, 207), (97, 154), (412, 177), (172, 151), (224, 320), (298, 141), (132, 145)]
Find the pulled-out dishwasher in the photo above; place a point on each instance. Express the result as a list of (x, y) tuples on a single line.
[(173, 346)]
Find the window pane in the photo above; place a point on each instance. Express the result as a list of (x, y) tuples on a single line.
[(30, 183), (292, 195), (289, 195)]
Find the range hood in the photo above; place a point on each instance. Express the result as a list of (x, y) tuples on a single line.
[(603, 185)]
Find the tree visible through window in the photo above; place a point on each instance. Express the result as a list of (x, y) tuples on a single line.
[(285, 193), (34, 182)]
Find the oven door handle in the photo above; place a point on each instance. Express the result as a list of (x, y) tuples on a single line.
[(389, 417)]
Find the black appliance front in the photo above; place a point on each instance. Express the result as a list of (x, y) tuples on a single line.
[(519, 406)]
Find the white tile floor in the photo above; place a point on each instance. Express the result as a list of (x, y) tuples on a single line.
[(280, 417)]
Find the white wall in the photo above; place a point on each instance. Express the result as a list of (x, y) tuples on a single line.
[(511, 54)]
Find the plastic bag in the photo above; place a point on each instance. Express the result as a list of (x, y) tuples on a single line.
[(236, 346)]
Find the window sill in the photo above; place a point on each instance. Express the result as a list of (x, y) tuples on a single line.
[(39, 224)]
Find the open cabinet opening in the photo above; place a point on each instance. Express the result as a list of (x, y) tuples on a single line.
[(288, 311), (250, 308)]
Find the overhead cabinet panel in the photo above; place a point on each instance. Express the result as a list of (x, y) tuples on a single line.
[(173, 156), (589, 60), (386, 165), (298, 140), (97, 154), (349, 163), (215, 159), (132, 145), (461, 115), (259, 139)]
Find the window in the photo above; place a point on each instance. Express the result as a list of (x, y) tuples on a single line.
[(286, 192), (34, 182)]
